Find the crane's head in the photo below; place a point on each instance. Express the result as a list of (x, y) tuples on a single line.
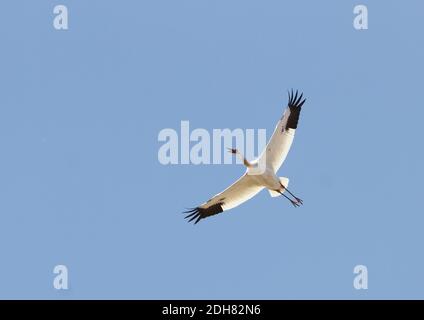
[(232, 150)]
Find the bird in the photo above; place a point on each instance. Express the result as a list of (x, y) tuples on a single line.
[(261, 173)]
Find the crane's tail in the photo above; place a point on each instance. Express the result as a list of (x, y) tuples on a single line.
[(285, 182)]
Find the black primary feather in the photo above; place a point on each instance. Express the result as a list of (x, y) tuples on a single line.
[(295, 106), (201, 213)]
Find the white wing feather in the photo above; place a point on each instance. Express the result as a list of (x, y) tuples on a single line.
[(279, 145), (240, 191), (281, 140)]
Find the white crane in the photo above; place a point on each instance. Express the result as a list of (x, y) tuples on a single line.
[(260, 173)]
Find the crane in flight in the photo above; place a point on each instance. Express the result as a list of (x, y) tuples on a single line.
[(260, 173)]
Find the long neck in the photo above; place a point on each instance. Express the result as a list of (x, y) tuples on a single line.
[(245, 162)]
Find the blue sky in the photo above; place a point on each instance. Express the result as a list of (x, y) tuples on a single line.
[(81, 185)]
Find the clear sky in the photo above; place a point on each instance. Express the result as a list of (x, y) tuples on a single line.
[(80, 180)]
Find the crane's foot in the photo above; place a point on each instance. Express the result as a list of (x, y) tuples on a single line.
[(299, 200), (295, 203)]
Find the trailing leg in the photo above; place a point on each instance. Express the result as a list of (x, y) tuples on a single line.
[(297, 199), (294, 203)]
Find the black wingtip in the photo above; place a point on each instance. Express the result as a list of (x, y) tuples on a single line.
[(193, 213), (198, 219), (295, 104), (295, 100), (200, 213)]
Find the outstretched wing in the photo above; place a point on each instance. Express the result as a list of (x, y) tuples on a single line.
[(281, 140), (240, 191)]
